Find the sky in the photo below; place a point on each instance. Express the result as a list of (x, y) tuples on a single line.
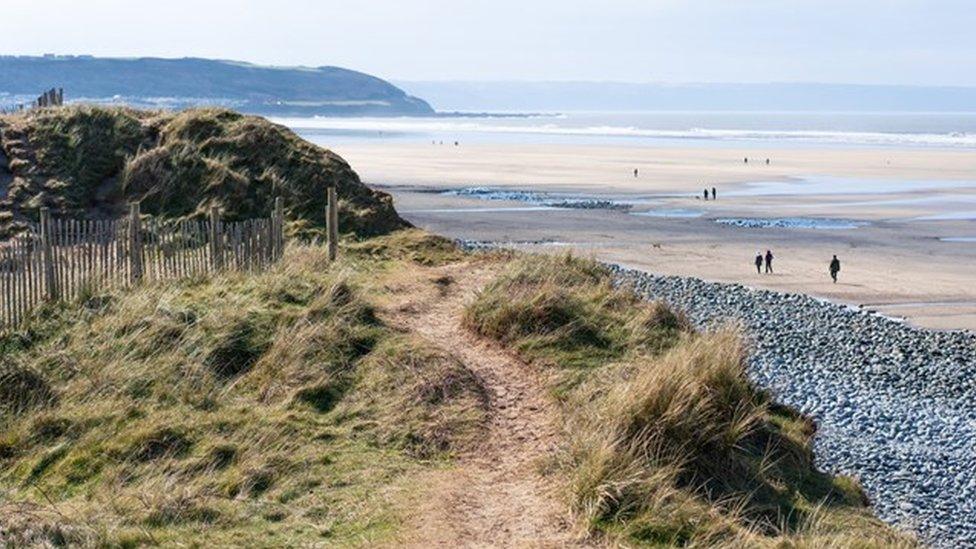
[(915, 42)]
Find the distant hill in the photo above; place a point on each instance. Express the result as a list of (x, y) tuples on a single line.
[(87, 161), (620, 96), (191, 82)]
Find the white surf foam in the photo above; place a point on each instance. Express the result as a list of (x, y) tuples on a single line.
[(958, 239), (502, 126)]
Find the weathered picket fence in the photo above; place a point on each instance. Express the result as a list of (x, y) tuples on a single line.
[(60, 259), (53, 97)]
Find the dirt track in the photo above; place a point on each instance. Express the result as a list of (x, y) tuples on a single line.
[(495, 496)]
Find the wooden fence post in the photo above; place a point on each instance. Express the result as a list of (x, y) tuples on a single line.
[(47, 255), (332, 223), (278, 230), (135, 244), (216, 249)]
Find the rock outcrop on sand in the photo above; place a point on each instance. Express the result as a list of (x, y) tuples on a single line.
[(89, 162)]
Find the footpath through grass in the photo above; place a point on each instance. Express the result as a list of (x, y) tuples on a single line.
[(667, 442), (279, 410)]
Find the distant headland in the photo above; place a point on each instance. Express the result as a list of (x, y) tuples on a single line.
[(179, 83)]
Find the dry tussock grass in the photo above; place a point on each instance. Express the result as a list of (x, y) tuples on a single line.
[(667, 441), (272, 409)]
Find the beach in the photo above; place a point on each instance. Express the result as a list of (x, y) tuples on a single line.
[(901, 220)]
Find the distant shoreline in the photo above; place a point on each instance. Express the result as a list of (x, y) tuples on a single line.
[(285, 109), (653, 129)]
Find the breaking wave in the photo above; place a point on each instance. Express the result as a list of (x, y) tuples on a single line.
[(533, 127)]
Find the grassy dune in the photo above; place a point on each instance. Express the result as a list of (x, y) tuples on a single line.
[(89, 161), (262, 411), (281, 410), (667, 442)]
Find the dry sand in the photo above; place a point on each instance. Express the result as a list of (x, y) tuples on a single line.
[(896, 264), (662, 169)]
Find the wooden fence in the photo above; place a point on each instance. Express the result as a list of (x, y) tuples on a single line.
[(53, 97), (60, 259)]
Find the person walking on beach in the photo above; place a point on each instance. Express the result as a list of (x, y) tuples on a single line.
[(713, 193), (759, 262), (635, 172), (834, 268), (746, 160), (769, 262), (706, 194)]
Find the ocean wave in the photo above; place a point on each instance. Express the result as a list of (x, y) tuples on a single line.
[(426, 125)]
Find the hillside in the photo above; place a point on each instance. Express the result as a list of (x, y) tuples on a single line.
[(88, 162), (410, 394), (187, 82)]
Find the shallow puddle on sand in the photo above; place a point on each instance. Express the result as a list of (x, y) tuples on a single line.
[(671, 213), (827, 185), (792, 223)]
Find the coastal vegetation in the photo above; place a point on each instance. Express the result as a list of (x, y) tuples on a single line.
[(287, 408), (273, 409), (89, 162), (667, 442)]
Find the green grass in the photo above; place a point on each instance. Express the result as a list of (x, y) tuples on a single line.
[(265, 410), (667, 441), (565, 313), (89, 161), (279, 410), (411, 245)]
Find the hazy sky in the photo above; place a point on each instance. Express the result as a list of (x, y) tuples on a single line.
[(880, 41)]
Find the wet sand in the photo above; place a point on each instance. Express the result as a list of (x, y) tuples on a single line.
[(904, 202)]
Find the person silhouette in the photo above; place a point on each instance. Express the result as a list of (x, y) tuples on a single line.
[(705, 194), (713, 193), (635, 172), (834, 268), (769, 262), (759, 262)]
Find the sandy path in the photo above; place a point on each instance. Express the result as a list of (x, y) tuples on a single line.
[(495, 496)]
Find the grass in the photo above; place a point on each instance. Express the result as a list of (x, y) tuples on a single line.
[(265, 410), (565, 313), (667, 441), (412, 246), (89, 161), (279, 410)]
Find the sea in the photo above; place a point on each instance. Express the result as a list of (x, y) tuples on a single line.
[(943, 130)]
